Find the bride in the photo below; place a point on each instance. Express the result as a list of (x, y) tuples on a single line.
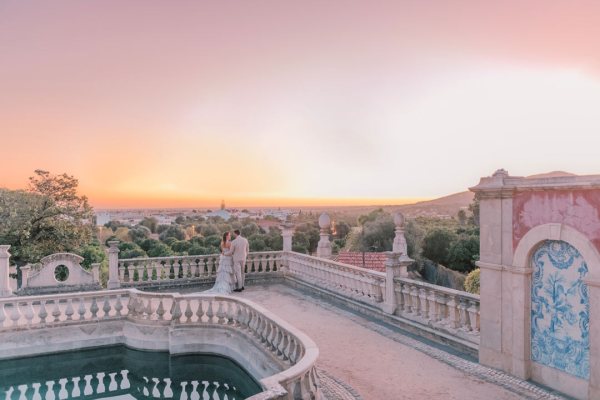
[(225, 280)]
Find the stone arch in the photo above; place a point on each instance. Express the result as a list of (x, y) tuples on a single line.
[(532, 239), (522, 269)]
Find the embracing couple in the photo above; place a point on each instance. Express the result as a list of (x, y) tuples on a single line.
[(230, 274)]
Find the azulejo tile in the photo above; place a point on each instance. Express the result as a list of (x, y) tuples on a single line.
[(560, 309)]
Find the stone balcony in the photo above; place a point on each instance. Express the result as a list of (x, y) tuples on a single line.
[(380, 335)]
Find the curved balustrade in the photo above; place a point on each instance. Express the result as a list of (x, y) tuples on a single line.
[(292, 348), (358, 283), (29, 312), (156, 270), (437, 306)]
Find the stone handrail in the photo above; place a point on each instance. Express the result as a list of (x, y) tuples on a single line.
[(152, 270), (447, 309), (355, 282), (292, 348)]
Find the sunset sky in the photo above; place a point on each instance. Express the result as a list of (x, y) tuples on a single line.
[(185, 103)]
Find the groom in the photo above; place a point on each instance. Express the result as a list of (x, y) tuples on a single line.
[(239, 250)]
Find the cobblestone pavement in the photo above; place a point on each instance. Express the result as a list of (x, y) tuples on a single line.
[(525, 389), (334, 389)]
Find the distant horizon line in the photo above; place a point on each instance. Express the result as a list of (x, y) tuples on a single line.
[(377, 202)]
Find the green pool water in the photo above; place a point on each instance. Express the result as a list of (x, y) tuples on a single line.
[(121, 373)]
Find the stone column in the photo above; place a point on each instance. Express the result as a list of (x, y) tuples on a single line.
[(324, 247), (113, 265), (392, 270), (5, 289), (287, 232)]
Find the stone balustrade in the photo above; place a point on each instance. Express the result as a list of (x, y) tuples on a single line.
[(135, 272), (291, 349), (347, 280), (449, 310), (30, 312)]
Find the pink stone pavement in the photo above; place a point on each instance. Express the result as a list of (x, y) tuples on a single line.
[(376, 366)]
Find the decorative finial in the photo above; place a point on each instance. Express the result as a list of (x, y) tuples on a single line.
[(324, 221), (502, 173)]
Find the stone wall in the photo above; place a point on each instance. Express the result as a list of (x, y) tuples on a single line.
[(540, 279)]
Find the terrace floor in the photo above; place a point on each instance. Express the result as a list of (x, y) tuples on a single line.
[(382, 362)]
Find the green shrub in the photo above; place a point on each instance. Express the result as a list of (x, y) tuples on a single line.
[(472, 282)]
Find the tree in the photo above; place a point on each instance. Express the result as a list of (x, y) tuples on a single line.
[(160, 250), (173, 231), (257, 242), (462, 217), (474, 208), (49, 217), (463, 253), (249, 229), (139, 233), (377, 231), (436, 245), (342, 229), (150, 223), (131, 250)]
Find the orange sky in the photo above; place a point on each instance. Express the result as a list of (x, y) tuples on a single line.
[(153, 103)]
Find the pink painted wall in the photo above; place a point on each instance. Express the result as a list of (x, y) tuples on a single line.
[(579, 209)]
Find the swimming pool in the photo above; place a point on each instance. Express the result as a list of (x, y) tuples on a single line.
[(118, 372)]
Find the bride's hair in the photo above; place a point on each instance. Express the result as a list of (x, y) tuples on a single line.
[(224, 240)]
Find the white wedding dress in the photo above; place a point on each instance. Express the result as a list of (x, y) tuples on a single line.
[(225, 281)]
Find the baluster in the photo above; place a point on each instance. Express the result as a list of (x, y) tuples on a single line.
[(453, 317), (69, 310), (200, 311), (473, 311), (160, 311), (423, 302), (221, 314), (464, 317), (230, 313), (118, 306), (56, 311), (414, 300), (209, 312), (122, 272), (188, 311), (81, 309), (440, 304), (94, 308), (106, 307), (2, 315), (42, 313), (148, 309), (176, 311)]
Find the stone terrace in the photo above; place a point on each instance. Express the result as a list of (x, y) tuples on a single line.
[(381, 362)]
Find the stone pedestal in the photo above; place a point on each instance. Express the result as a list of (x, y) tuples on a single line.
[(287, 233), (113, 265), (399, 246), (324, 246), (5, 289)]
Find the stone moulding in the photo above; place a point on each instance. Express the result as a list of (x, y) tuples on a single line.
[(273, 351), (40, 278)]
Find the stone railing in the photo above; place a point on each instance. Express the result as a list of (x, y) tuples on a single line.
[(134, 272), (346, 280), (451, 315), (444, 309), (30, 312), (293, 350)]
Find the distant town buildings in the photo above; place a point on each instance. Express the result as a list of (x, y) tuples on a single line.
[(168, 216)]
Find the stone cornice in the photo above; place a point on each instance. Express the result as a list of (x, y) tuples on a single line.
[(493, 267), (503, 186)]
